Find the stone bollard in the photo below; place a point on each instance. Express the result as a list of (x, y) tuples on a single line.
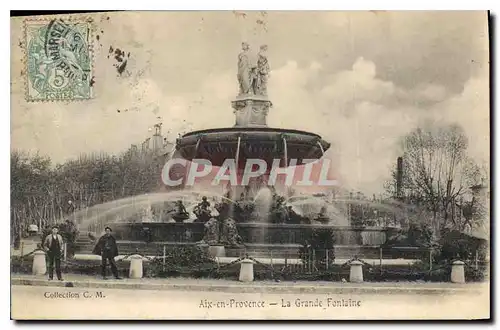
[(135, 266), (246, 270), (39, 263), (217, 251), (356, 273), (458, 272)]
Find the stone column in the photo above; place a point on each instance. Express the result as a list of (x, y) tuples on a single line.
[(135, 270), (39, 263), (458, 272), (356, 272), (246, 270)]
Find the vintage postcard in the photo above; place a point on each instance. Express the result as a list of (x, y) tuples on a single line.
[(250, 165)]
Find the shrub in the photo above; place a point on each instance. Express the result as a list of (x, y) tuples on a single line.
[(419, 235), (21, 265), (321, 241), (191, 260), (454, 245), (475, 275)]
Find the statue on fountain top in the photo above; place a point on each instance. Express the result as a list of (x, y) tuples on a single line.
[(263, 70), (253, 74), (245, 67)]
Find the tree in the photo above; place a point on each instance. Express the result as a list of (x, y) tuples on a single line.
[(44, 194), (30, 178), (437, 173)]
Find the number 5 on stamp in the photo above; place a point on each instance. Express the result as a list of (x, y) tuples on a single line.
[(59, 60)]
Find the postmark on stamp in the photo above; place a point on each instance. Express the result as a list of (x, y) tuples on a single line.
[(59, 60)]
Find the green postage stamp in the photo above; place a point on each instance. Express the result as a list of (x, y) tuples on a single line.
[(59, 60)]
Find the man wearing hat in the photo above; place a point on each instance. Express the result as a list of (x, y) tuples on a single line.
[(54, 245), (106, 248)]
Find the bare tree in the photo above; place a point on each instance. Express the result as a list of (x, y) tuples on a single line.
[(437, 173)]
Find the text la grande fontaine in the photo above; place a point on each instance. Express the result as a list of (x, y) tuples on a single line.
[(328, 302)]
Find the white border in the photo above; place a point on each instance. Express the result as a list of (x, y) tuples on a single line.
[(181, 5)]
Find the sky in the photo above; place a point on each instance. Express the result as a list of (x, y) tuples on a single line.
[(361, 80)]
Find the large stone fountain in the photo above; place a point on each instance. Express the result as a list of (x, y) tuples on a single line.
[(249, 138)]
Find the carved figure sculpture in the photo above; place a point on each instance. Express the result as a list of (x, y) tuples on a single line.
[(230, 233), (211, 236)]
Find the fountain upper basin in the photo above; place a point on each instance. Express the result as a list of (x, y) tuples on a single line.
[(264, 143)]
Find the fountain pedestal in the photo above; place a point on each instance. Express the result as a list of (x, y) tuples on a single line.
[(251, 110)]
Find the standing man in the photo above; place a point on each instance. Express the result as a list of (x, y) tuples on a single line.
[(54, 245), (106, 248)]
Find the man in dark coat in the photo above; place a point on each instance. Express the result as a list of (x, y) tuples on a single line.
[(106, 248), (54, 246)]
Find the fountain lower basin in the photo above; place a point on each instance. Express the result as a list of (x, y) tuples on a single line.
[(251, 233), (260, 239)]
